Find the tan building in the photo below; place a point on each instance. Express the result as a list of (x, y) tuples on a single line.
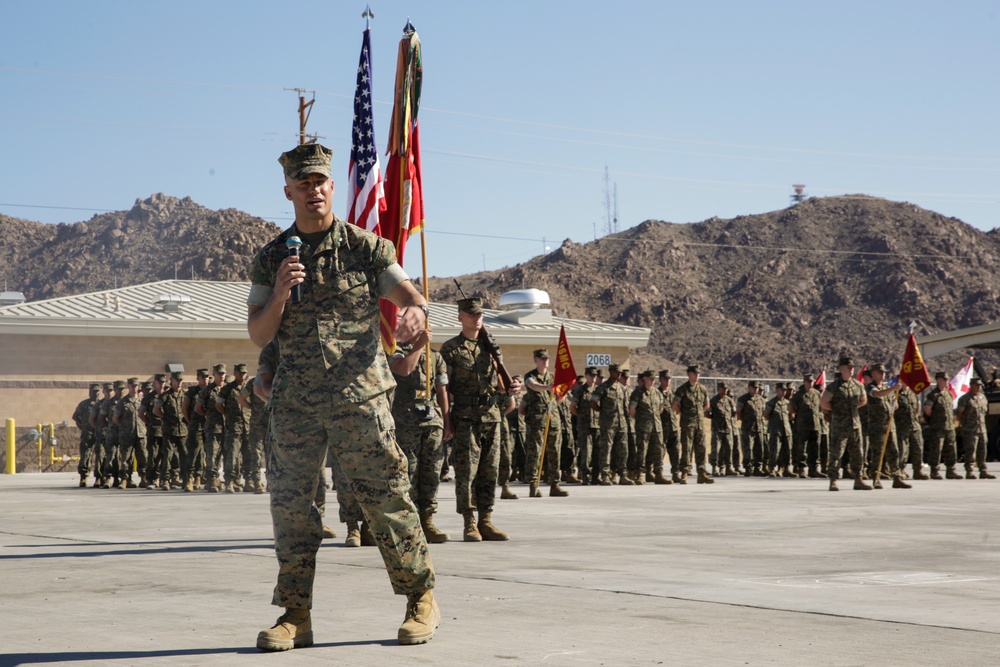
[(50, 351)]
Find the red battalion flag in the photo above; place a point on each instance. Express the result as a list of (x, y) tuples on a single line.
[(565, 375), (404, 213), (365, 196), (820, 382), (913, 372)]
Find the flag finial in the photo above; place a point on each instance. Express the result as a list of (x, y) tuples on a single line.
[(367, 15), (408, 29)]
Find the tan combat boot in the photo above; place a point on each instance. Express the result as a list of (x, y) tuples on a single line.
[(367, 539), (658, 478), (859, 484), (261, 487), (293, 629), (898, 483), (431, 532), (353, 538), (625, 480), (833, 485), (328, 532), (920, 474), (651, 476), (422, 619), (985, 475), (470, 533), (555, 491), (533, 491), (506, 493), (951, 474), (637, 477), (189, 485), (703, 477), (488, 531)]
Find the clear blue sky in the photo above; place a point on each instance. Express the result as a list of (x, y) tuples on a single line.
[(697, 109)]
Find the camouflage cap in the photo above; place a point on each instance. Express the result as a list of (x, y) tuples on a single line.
[(133, 382), (614, 368), (147, 386), (472, 305), (646, 374), (203, 372), (866, 373), (940, 375), (721, 384), (665, 374), (878, 367), (108, 386), (845, 361), (306, 159), (119, 384), (975, 382), (753, 384), (240, 368), (624, 372), (95, 386), (177, 375), (693, 368), (590, 370), (160, 377), (219, 368), (779, 385), (541, 354), (808, 377)]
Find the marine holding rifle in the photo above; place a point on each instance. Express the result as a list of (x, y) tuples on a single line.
[(475, 369)]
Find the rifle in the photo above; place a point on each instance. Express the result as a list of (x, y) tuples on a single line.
[(490, 345)]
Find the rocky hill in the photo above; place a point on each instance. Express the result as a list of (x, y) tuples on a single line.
[(157, 237), (776, 294), (768, 295)]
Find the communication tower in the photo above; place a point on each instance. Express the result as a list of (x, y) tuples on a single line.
[(798, 196)]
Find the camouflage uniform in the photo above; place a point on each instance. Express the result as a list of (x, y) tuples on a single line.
[(131, 432), (515, 422), (908, 430), (808, 426), (845, 425), (671, 432), (475, 418), (81, 415), (567, 456), (941, 435), (99, 413), (506, 447), (648, 404), (330, 392), (215, 432), (608, 397), (882, 431), (260, 422), (588, 430), (170, 403), (752, 426), (724, 443), (692, 399), (541, 411), (154, 436), (974, 408), (420, 439), (237, 438), (779, 432), (193, 461)]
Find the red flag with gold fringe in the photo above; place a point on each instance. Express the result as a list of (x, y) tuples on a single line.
[(913, 372), (565, 375)]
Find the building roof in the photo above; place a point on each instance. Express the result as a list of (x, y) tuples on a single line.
[(207, 309), (985, 336)]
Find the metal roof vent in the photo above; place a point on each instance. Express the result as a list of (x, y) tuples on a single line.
[(11, 298), (171, 303), (526, 306)]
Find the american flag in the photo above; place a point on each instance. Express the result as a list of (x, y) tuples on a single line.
[(365, 196)]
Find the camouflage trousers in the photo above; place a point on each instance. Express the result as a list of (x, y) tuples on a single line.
[(911, 448), (612, 449), (647, 441), (725, 449), (506, 454), (567, 453), (171, 450), (193, 461), (349, 510), (109, 464), (233, 445), (974, 449), (671, 441), (361, 436), (97, 453), (258, 440), (779, 449), (754, 449), (127, 446), (153, 442), (586, 440), (844, 437), (86, 452), (693, 445), (213, 454), (533, 449), (882, 441), (476, 457), (941, 444), (424, 456)]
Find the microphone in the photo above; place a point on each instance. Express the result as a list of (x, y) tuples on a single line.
[(293, 244)]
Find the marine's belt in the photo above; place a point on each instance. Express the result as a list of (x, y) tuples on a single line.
[(471, 401)]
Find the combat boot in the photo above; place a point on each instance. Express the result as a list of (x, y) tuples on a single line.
[(682, 478), (970, 475), (230, 488), (813, 473), (650, 477), (951, 474), (293, 629), (261, 487), (675, 477), (83, 481), (469, 532), (353, 538), (898, 483), (985, 475), (533, 491), (833, 485), (212, 486), (506, 493), (920, 474), (431, 532), (638, 478), (422, 619), (605, 480), (143, 483), (936, 474), (488, 531), (877, 483), (555, 491), (569, 478), (367, 539), (704, 478), (165, 485), (729, 472), (122, 484), (658, 478), (328, 532), (189, 485), (624, 479), (859, 484)]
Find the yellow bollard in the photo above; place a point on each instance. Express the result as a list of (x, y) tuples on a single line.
[(11, 449)]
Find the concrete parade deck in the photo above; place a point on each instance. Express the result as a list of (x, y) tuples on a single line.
[(742, 572)]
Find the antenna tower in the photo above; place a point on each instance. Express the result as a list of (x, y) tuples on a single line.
[(616, 208), (305, 108), (798, 196), (608, 220)]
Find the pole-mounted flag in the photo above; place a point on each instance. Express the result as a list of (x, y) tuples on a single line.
[(565, 375), (365, 195), (913, 372)]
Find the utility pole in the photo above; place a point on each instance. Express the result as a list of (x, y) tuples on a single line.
[(305, 108)]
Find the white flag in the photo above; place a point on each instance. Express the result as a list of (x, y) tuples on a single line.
[(959, 384)]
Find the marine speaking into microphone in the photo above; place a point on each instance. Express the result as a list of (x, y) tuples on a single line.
[(293, 244)]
